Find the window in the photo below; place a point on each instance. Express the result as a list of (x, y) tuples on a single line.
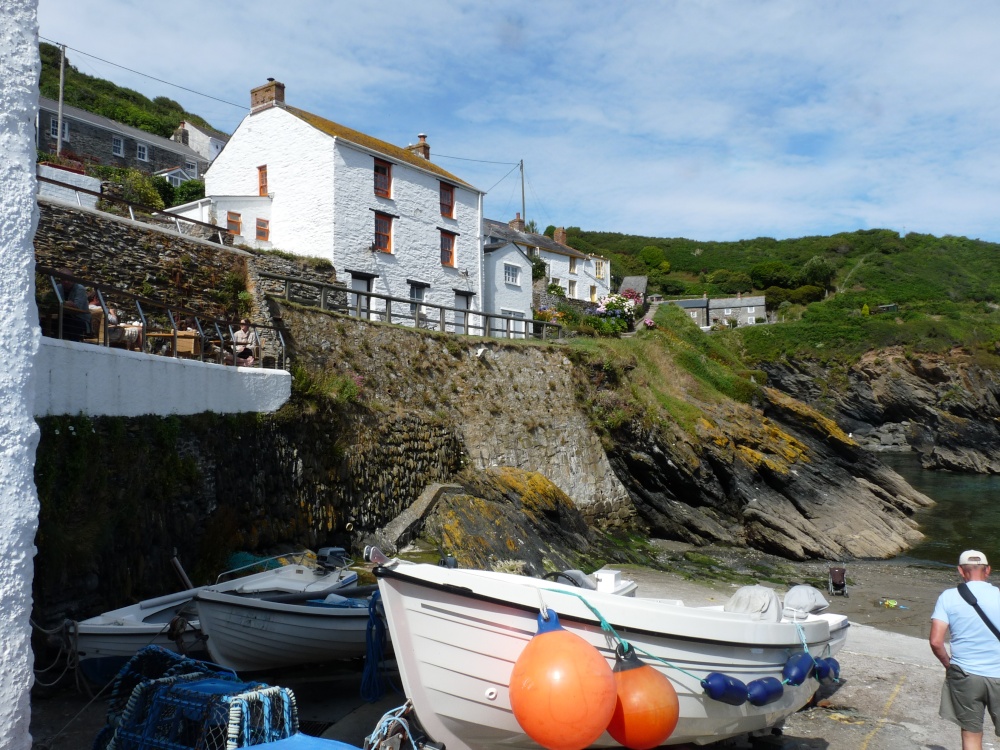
[(511, 274), (383, 178), (750, 321), (536, 252), (191, 168), (728, 311), (263, 229), (54, 128), (141, 152), (553, 280), (694, 314), (383, 233), (175, 180), (262, 181), (234, 224), (447, 200), (572, 265), (117, 146), (593, 294), (447, 248), (599, 269), (417, 295), (571, 292), (751, 309)]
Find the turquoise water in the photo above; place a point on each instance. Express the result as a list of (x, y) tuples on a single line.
[(967, 514)]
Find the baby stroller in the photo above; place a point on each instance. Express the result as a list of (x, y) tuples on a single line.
[(837, 582)]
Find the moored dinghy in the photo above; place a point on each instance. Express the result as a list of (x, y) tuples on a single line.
[(457, 635)]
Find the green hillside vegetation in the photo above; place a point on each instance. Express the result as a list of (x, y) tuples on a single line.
[(828, 292), (159, 116)]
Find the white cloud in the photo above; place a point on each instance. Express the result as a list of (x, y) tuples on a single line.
[(710, 120)]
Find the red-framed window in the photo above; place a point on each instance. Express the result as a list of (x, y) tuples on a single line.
[(447, 248), (383, 178), (263, 229), (447, 200), (262, 180), (383, 233), (234, 223)]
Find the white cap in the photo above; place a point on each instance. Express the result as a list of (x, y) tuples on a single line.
[(972, 557)]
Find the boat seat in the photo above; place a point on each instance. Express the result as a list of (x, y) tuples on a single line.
[(755, 600)]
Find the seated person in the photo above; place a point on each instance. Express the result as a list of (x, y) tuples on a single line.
[(76, 311), (245, 343)]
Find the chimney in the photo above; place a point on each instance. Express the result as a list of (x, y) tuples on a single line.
[(422, 148), (559, 235), (181, 134), (517, 223), (271, 94)]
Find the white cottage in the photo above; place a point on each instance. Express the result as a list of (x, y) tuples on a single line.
[(389, 219), (507, 286), (582, 277)]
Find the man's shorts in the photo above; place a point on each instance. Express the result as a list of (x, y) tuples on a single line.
[(964, 696)]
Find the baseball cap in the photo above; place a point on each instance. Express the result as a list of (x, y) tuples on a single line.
[(972, 557)]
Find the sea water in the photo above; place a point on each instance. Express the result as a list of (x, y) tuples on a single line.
[(967, 514)]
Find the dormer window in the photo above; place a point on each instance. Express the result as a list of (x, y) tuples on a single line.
[(383, 178)]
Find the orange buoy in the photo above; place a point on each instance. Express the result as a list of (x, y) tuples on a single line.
[(562, 690), (646, 711)]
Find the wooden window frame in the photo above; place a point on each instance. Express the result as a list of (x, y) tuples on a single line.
[(599, 269), (386, 245), (571, 288), (263, 229), (234, 222), (262, 181), (572, 265), (447, 206), (449, 238), (383, 190)]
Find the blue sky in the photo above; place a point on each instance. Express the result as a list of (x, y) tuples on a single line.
[(709, 120)]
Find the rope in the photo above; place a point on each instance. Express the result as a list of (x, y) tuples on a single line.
[(389, 721), (373, 682)]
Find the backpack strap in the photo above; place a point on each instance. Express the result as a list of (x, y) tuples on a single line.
[(969, 597)]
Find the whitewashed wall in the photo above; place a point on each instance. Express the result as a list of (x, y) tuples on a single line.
[(585, 275), (19, 336), (68, 194), (497, 293), (299, 162)]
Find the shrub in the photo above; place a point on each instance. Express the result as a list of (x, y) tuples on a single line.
[(805, 294), (192, 190), (618, 306), (555, 290)]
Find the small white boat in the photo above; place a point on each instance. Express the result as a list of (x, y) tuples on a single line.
[(248, 634), (458, 633), (102, 644)]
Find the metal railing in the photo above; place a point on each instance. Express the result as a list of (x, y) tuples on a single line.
[(199, 331), (417, 313)]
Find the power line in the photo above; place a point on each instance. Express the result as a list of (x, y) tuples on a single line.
[(146, 75), (481, 161), (504, 177)]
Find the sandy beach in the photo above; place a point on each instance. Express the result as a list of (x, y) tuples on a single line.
[(887, 699)]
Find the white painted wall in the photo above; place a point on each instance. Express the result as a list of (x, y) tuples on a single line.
[(497, 293), (69, 195), (585, 275), (215, 210), (19, 336), (299, 162), (75, 378)]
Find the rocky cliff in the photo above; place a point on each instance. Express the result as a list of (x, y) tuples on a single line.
[(944, 407)]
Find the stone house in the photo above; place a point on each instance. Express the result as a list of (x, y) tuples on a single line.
[(507, 285), (583, 277), (706, 312), (388, 219), (93, 138)]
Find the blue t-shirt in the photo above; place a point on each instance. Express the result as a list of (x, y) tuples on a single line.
[(973, 647)]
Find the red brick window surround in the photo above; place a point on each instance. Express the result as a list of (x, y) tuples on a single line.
[(234, 223), (262, 180), (383, 178), (263, 229), (447, 248), (383, 233), (447, 200)]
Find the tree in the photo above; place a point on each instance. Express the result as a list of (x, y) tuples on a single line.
[(165, 189), (652, 256), (191, 190), (817, 271), (531, 226), (772, 273)]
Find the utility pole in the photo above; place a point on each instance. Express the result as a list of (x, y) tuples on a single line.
[(62, 83), (524, 214)]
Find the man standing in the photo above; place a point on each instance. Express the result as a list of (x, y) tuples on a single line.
[(972, 671)]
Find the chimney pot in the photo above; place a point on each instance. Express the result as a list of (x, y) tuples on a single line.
[(271, 94), (517, 223), (559, 235), (422, 148)]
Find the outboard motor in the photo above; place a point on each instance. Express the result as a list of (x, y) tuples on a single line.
[(333, 558)]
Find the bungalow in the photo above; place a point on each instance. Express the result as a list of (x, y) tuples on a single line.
[(706, 313), (389, 219), (581, 276)]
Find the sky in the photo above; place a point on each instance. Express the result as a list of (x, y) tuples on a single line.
[(715, 120)]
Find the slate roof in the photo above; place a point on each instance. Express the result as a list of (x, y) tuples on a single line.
[(736, 302), (116, 127), (374, 144), (638, 283), (502, 230)]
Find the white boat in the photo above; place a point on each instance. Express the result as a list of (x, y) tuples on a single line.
[(457, 634), (249, 634), (102, 644)]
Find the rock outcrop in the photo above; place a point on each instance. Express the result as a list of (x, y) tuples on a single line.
[(944, 407)]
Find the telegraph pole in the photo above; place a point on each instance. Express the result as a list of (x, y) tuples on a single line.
[(62, 83), (524, 214)]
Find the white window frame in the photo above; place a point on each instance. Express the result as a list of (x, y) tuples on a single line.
[(117, 145), (728, 311), (572, 265), (750, 321), (694, 314), (54, 128), (191, 168), (571, 289), (751, 309), (511, 274), (599, 269), (417, 298), (142, 152)]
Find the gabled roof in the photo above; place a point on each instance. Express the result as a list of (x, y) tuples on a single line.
[(636, 283), (374, 144), (116, 127), (503, 231), (211, 132)]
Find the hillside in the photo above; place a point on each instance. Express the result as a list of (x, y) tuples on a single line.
[(159, 116)]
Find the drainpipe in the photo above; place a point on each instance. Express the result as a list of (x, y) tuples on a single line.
[(62, 84)]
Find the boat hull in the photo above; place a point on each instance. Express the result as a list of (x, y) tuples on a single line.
[(457, 635)]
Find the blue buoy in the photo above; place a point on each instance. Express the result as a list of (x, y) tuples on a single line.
[(832, 671), (798, 668), (765, 690), (725, 689)]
